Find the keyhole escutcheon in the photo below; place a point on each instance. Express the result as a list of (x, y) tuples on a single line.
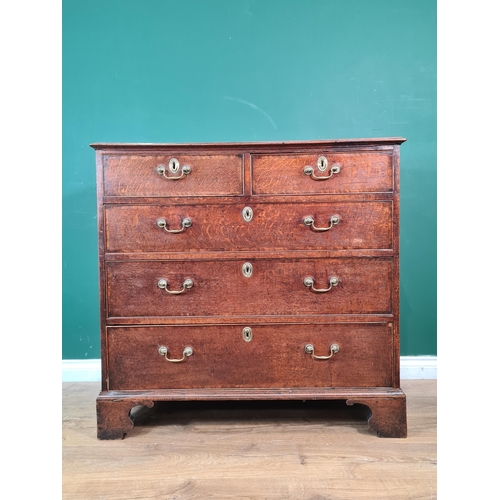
[(247, 214), (322, 163), (247, 269), (247, 334)]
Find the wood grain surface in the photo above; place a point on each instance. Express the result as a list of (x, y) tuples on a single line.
[(359, 172), (132, 229), (135, 175), (274, 357), (319, 450), (275, 287)]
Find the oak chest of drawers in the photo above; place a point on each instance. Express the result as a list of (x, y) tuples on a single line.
[(249, 271)]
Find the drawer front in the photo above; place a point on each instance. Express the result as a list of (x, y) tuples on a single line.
[(137, 175), (273, 227), (362, 172), (274, 357), (275, 287)]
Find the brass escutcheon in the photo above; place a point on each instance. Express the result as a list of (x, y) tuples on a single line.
[(322, 163), (174, 165), (247, 334), (247, 269), (247, 214)]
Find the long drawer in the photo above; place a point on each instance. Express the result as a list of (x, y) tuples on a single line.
[(305, 226), (275, 356), (173, 175), (353, 172), (258, 287)]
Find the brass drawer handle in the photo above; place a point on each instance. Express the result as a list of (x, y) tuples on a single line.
[(322, 165), (188, 283), (334, 349), (310, 171), (163, 351), (309, 221), (174, 167), (309, 282), (162, 223)]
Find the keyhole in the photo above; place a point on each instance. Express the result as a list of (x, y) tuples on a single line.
[(247, 334), (174, 165), (322, 163), (247, 270), (247, 214)]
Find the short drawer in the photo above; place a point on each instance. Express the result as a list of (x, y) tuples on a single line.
[(252, 288), (312, 226), (222, 356), (358, 172), (173, 175)]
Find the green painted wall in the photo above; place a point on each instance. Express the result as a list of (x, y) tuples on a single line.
[(245, 70)]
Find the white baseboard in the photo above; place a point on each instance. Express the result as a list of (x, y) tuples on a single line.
[(89, 370), (418, 367), (81, 370)]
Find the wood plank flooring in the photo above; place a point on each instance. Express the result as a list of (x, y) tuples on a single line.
[(249, 450)]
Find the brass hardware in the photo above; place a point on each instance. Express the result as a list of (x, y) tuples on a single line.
[(162, 223), (173, 166), (322, 165), (309, 221), (188, 283), (247, 269), (247, 214), (163, 351), (334, 349), (309, 282), (247, 334)]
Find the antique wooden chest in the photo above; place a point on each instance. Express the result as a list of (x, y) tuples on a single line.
[(249, 271)]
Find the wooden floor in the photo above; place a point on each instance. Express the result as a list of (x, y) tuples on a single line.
[(243, 450)]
